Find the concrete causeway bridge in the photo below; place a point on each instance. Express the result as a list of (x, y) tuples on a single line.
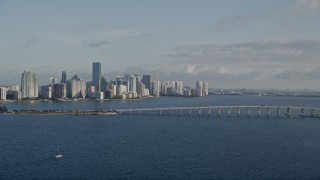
[(277, 111)]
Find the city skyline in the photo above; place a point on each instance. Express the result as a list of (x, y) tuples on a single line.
[(247, 44)]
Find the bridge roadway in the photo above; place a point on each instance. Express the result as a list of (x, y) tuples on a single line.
[(227, 108)]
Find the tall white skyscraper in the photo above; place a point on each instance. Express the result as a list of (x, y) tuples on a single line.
[(29, 85), (76, 87), (199, 88), (96, 75), (3, 93), (206, 89), (133, 84)]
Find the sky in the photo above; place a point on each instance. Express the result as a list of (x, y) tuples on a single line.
[(228, 43)]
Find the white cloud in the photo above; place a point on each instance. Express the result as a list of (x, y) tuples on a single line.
[(306, 7)]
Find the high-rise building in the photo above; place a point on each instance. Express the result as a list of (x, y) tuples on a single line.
[(146, 79), (53, 81), (103, 84), (76, 87), (59, 90), (140, 89), (3, 93), (199, 88), (46, 91), (29, 85), (133, 84), (205, 89), (155, 88), (64, 77), (96, 75)]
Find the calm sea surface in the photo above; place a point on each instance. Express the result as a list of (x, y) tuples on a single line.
[(160, 147)]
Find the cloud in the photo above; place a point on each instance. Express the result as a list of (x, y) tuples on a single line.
[(230, 23), (272, 52), (95, 44), (295, 74), (306, 7)]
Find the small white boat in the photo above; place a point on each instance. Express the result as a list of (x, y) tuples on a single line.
[(58, 155)]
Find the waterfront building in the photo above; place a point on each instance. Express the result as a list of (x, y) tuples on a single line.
[(53, 81), (59, 90), (205, 89), (46, 91), (14, 88), (76, 87), (104, 84), (155, 88), (29, 85), (133, 84), (121, 89), (140, 89), (64, 77), (199, 88), (96, 75), (146, 80), (3, 93), (16, 95)]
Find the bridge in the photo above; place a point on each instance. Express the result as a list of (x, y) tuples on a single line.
[(268, 111)]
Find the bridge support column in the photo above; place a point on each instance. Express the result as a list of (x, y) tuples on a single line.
[(150, 112), (209, 112), (169, 111), (199, 112), (312, 113), (189, 113), (219, 111), (258, 111), (278, 111), (302, 112), (159, 111), (140, 111), (130, 111), (248, 111), (289, 112), (238, 112), (268, 112), (179, 111), (229, 111)]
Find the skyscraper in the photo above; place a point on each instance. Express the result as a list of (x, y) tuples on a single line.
[(133, 84), (3, 93), (76, 87), (199, 88), (96, 75), (64, 77), (146, 79), (29, 85)]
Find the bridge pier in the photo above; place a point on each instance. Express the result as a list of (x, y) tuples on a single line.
[(209, 112), (248, 111), (302, 112), (179, 111), (150, 112), (130, 111), (199, 112), (169, 111), (140, 111), (278, 111), (268, 112), (189, 113), (159, 111), (219, 111), (289, 112), (312, 113), (258, 111), (238, 113), (229, 111)]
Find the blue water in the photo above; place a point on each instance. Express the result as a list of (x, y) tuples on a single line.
[(160, 147)]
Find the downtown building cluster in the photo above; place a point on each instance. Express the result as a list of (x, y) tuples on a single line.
[(129, 86)]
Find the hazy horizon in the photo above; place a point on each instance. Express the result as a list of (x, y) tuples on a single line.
[(230, 44)]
